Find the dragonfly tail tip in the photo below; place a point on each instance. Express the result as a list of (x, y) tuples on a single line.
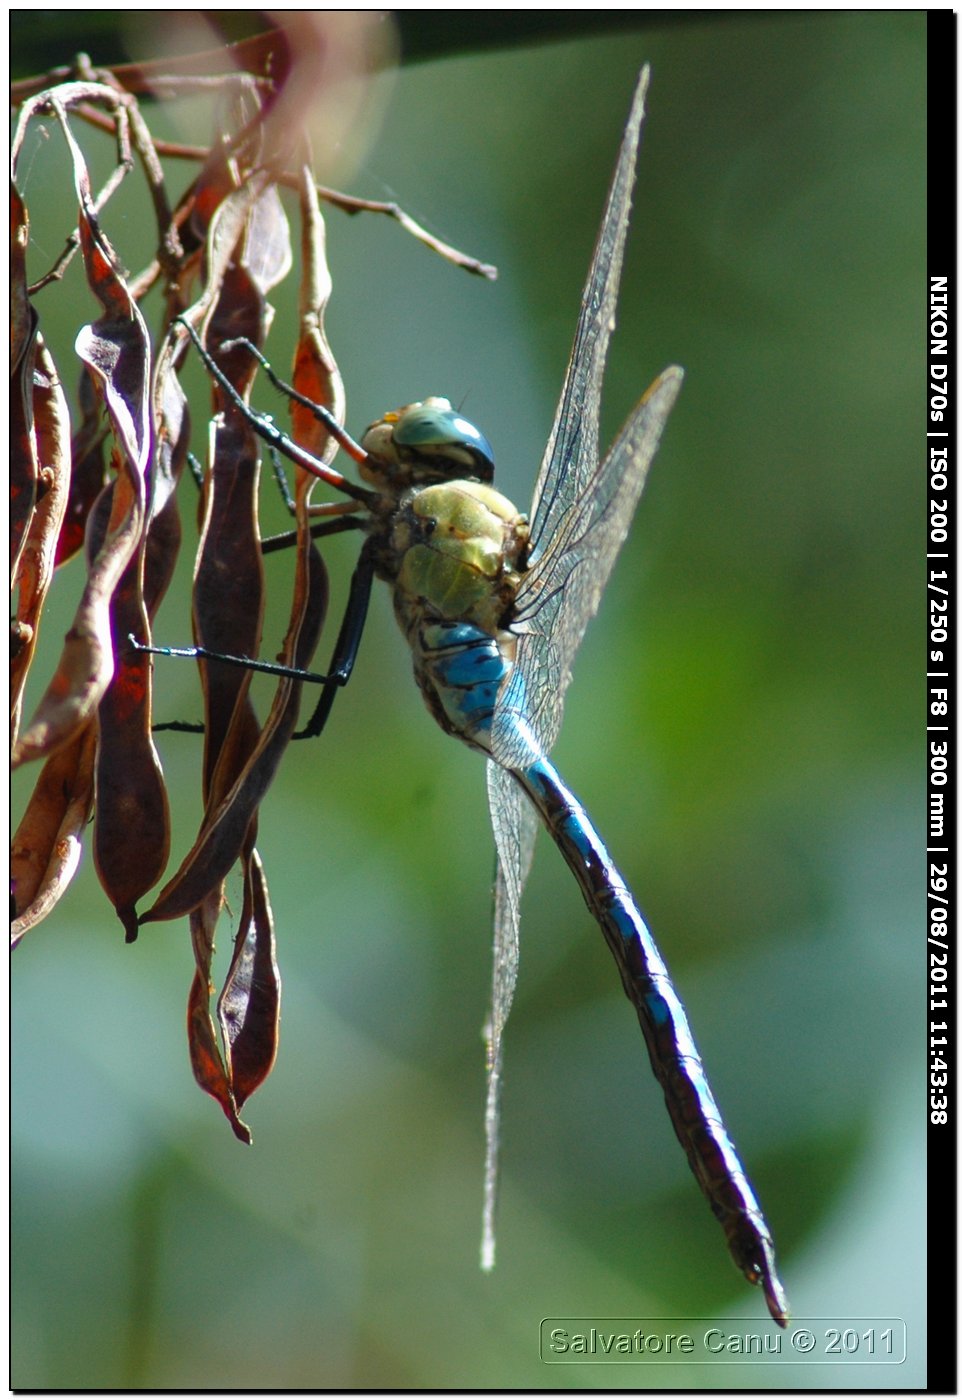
[(776, 1299)]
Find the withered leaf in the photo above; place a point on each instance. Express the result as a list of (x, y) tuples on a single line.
[(228, 591), (316, 374), (46, 846), (35, 564), (116, 349), (249, 1005), (267, 254), (131, 826), (23, 329), (88, 472), (205, 1056)]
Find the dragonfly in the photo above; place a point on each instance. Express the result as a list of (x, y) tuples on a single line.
[(494, 604)]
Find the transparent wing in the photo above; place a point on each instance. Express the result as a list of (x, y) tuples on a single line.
[(562, 589), (572, 451), (515, 826), (581, 510), (574, 577), (580, 516)]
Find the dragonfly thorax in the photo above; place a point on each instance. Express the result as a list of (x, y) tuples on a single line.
[(460, 549)]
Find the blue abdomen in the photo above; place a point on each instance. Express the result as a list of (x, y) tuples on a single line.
[(461, 668)]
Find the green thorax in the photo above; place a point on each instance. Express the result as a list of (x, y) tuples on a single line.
[(459, 548)]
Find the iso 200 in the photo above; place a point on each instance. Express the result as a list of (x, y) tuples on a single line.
[(938, 521), (850, 1341)]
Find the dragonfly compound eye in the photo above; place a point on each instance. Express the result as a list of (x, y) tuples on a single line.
[(434, 436)]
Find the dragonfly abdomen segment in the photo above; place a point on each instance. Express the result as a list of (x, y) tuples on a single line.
[(671, 1048), (460, 669)]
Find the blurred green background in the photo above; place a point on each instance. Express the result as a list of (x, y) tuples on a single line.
[(745, 725)]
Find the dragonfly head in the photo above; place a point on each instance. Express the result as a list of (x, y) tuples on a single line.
[(425, 443)]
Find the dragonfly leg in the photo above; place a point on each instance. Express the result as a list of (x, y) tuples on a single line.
[(336, 518), (327, 509), (323, 415), (248, 663), (268, 431), (322, 508), (342, 661), (346, 646), (283, 485)]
